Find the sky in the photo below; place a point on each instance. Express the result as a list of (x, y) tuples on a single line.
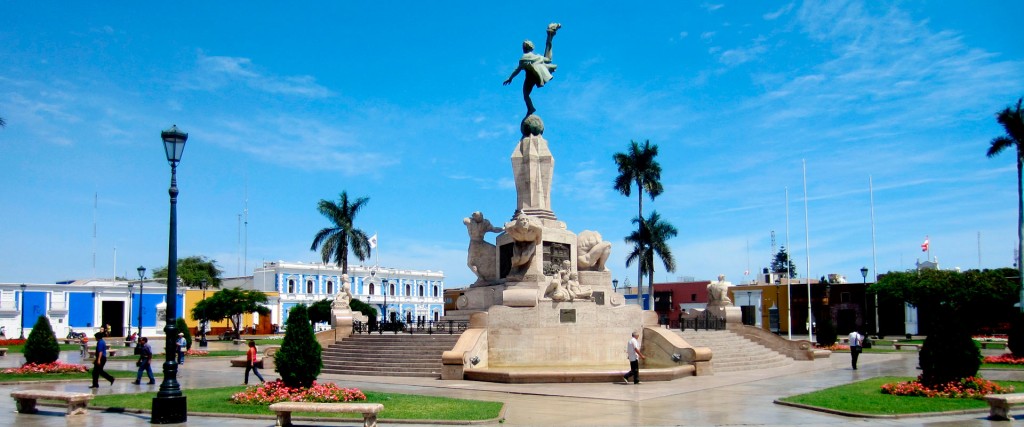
[(402, 103)]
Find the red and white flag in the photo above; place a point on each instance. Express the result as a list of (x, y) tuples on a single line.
[(373, 241), (924, 246)]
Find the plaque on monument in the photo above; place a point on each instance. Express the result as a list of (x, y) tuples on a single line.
[(567, 315), (554, 254), (598, 297)]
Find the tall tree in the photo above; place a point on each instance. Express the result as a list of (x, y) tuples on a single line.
[(650, 241), (1013, 124), (782, 263), (193, 270), (334, 241), (638, 166), (230, 304)]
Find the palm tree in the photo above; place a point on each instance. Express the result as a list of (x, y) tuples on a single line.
[(650, 241), (1014, 126), (638, 166), (334, 241)]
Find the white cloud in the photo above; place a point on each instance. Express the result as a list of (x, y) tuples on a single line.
[(771, 16), (217, 71)]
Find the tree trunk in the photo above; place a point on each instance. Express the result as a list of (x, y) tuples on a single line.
[(1020, 225)]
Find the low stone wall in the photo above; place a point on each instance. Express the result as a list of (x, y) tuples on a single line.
[(798, 350)]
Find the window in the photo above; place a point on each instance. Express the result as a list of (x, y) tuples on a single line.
[(408, 290), (391, 290), (693, 297), (291, 286), (330, 287), (435, 290), (309, 286), (421, 290), (371, 288)]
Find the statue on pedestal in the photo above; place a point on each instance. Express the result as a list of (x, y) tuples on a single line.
[(482, 255), (718, 292), (344, 297), (526, 235), (538, 68), (592, 250)]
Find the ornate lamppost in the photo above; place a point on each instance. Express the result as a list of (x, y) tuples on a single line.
[(615, 285), (142, 281), (169, 405), (202, 339)]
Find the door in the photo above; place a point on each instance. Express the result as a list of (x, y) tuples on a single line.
[(113, 313)]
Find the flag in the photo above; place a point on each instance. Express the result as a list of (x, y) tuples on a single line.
[(924, 246), (373, 241)]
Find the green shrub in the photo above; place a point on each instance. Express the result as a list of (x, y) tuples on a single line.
[(826, 332), (41, 345), (1015, 340), (298, 360), (320, 311), (949, 354), (183, 328)]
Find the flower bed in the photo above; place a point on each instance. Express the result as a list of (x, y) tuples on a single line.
[(1006, 359), (11, 342), (57, 367), (966, 388), (833, 347), (276, 391)]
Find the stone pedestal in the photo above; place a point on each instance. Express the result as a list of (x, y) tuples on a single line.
[(532, 167)]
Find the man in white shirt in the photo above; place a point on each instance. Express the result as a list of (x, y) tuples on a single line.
[(633, 352), (856, 344)]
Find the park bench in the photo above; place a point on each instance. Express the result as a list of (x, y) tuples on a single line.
[(3, 351), (999, 405), (913, 346), (110, 353), (25, 400), (284, 410)]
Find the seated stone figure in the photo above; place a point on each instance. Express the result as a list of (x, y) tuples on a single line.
[(577, 291), (526, 235), (593, 251), (718, 292), (344, 297)]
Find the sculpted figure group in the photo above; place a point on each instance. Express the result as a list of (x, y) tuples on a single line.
[(565, 286), (344, 297)]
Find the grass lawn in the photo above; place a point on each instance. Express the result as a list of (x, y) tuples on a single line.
[(396, 406), (69, 376), (20, 348), (1001, 366), (865, 397)]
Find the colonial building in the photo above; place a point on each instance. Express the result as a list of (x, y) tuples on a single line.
[(86, 305), (398, 294)]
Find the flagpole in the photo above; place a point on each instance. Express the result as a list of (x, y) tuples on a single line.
[(874, 256), (807, 242), (789, 275)]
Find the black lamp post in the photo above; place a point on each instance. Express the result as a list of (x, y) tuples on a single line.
[(864, 275), (169, 405), (142, 277), (615, 284), (22, 334), (202, 339)]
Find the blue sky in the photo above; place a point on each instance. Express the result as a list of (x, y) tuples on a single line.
[(402, 102)]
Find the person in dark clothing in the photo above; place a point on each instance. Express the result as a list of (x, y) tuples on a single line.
[(99, 362)]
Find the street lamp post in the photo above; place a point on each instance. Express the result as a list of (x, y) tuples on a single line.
[(142, 281), (22, 334), (202, 339), (615, 285), (864, 275), (169, 405)]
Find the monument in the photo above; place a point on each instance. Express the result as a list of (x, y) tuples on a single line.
[(543, 308)]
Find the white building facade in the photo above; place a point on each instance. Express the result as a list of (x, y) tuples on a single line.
[(401, 295)]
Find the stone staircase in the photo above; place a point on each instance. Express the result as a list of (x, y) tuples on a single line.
[(388, 354), (733, 353)]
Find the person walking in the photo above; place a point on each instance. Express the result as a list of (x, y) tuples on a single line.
[(634, 354), (251, 359), (181, 345), (856, 346), (144, 363), (99, 362)]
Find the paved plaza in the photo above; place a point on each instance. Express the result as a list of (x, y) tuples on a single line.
[(727, 399)]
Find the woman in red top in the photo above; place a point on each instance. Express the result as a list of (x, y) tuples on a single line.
[(250, 362)]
